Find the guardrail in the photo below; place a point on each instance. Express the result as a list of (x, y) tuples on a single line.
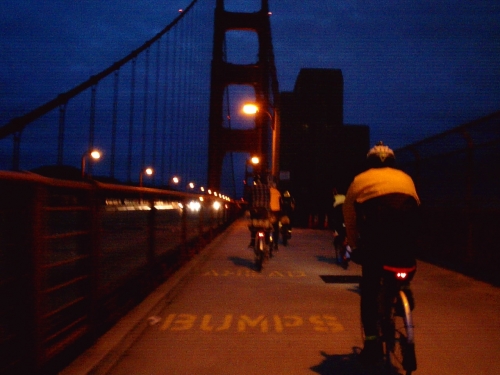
[(457, 177), (77, 256)]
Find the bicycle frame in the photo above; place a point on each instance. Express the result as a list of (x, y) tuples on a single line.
[(396, 319), (263, 241)]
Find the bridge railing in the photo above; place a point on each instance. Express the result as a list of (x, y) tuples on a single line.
[(456, 174), (76, 256)]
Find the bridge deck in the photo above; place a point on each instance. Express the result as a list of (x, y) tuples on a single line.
[(218, 316)]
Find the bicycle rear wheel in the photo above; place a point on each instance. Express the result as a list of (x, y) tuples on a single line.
[(259, 253), (400, 346)]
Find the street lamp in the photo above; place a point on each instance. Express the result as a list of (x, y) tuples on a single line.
[(91, 154), (253, 161), (148, 170), (252, 109), (176, 180)]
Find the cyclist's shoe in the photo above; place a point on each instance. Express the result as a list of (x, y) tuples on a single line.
[(372, 353)]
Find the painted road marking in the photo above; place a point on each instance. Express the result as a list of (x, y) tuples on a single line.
[(244, 323), (252, 273)]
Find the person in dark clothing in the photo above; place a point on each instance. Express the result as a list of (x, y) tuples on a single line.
[(259, 203), (380, 213), (338, 227), (287, 204)]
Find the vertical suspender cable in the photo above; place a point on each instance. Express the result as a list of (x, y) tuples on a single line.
[(114, 122), (92, 122), (182, 108), (173, 104), (228, 104), (131, 123), (16, 152), (155, 114), (145, 110), (60, 140), (164, 120), (92, 117)]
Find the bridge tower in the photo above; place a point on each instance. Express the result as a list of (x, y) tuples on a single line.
[(261, 76)]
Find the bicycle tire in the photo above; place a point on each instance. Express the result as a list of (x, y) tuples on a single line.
[(400, 345), (259, 253)]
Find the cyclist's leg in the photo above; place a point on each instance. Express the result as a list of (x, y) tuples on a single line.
[(336, 245), (252, 228), (253, 232), (403, 349), (276, 229), (370, 288)]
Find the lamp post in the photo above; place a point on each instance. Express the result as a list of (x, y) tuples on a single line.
[(148, 171), (93, 154), (253, 161), (252, 109)]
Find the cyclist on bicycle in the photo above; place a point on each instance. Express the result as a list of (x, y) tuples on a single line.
[(338, 226), (275, 206), (259, 204), (381, 224)]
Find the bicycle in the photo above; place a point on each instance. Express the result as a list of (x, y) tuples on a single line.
[(396, 321), (342, 253), (285, 229), (263, 245)]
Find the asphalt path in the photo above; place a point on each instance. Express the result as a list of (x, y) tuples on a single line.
[(300, 315)]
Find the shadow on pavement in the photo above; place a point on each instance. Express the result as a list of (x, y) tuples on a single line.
[(325, 259), (348, 364), (242, 262)]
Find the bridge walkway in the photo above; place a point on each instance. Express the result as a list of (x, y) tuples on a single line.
[(218, 316)]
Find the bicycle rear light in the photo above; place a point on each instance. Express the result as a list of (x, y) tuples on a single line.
[(400, 273)]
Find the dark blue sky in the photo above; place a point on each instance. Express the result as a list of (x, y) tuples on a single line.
[(411, 68)]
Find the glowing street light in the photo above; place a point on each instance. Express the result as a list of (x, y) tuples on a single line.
[(148, 171), (91, 154), (253, 161), (252, 109)]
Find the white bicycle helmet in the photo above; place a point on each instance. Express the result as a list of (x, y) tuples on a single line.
[(380, 153)]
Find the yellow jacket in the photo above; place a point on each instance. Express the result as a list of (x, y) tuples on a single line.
[(275, 199), (370, 184)]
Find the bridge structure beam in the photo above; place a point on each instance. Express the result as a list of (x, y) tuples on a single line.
[(261, 76)]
